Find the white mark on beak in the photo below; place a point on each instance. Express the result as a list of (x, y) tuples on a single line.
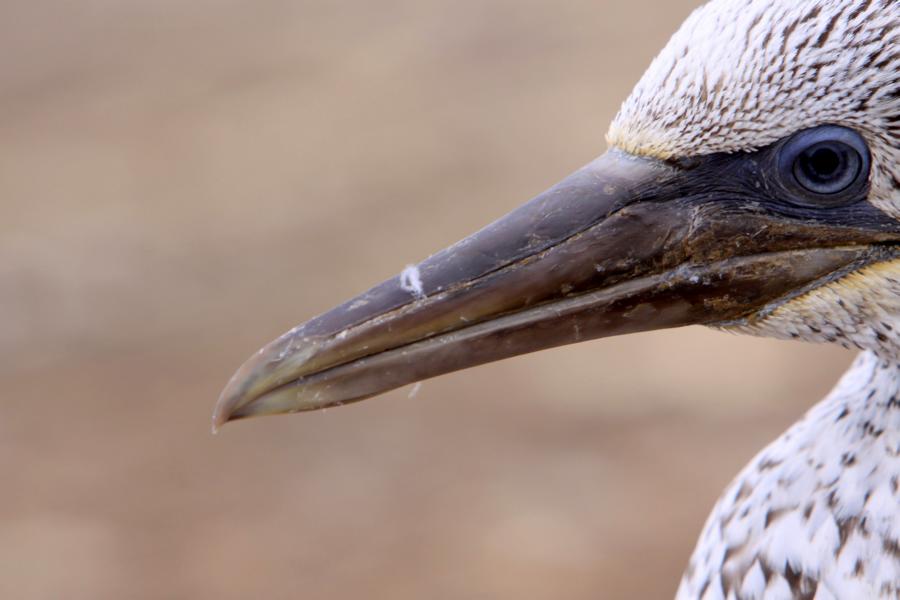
[(415, 390), (411, 281)]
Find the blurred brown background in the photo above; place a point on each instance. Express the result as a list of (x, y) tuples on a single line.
[(182, 181)]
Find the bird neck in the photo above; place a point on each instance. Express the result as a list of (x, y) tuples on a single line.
[(866, 400), (857, 424), (818, 507)]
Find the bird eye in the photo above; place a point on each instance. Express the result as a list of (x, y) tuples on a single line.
[(828, 165)]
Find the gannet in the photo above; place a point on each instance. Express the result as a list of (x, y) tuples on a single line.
[(752, 184)]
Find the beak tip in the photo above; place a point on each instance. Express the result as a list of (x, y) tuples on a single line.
[(256, 388), (222, 413), (237, 403), (231, 400)]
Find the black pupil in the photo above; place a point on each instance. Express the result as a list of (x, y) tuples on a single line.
[(825, 162), (822, 164)]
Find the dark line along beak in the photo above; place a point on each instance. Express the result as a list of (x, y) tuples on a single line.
[(623, 245)]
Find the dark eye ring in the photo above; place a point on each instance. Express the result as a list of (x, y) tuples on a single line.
[(827, 165)]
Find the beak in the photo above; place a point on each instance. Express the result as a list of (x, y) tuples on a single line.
[(623, 245)]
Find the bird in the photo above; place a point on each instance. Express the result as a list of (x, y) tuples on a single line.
[(751, 184)]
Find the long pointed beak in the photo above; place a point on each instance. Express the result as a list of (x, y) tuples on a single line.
[(623, 245)]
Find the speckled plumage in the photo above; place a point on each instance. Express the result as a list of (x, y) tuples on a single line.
[(817, 514)]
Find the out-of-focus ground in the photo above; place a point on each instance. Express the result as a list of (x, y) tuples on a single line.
[(182, 181)]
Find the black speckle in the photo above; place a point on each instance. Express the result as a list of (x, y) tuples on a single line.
[(807, 510), (768, 464), (774, 515)]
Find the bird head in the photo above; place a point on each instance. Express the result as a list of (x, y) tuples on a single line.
[(752, 184)]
